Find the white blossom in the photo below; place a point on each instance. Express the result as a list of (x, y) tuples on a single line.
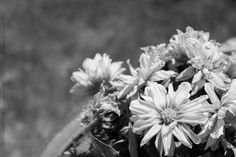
[(95, 71), (167, 115)]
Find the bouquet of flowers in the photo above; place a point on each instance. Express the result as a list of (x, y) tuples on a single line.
[(179, 101)]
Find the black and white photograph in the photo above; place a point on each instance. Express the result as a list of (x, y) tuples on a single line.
[(118, 78)]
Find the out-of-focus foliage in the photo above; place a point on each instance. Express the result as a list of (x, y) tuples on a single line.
[(44, 41)]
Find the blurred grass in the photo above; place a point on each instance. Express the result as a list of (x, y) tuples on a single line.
[(45, 41)]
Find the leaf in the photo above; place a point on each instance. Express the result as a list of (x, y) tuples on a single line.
[(121, 145), (133, 146), (230, 119), (71, 135), (103, 149)]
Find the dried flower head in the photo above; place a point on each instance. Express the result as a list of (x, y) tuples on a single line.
[(98, 70), (207, 62), (151, 63)]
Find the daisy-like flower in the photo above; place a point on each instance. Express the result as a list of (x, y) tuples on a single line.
[(151, 63), (98, 70), (207, 62), (166, 115), (215, 125)]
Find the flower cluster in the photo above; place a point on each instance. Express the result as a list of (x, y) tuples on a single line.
[(179, 95)]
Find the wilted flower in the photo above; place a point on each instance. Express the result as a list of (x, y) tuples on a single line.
[(98, 70), (215, 125), (205, 59), (160, 50), (164, 115), (151, 63)]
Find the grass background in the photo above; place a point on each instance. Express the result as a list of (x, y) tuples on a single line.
[(44, 41)]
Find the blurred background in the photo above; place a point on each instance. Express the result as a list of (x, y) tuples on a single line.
[(44, 41)]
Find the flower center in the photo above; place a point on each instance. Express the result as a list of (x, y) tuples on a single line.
[(168, 116)]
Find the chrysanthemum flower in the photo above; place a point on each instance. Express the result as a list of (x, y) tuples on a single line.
[(215, 125), (207, 62), (98, 70), (167, 115), (151, 64)]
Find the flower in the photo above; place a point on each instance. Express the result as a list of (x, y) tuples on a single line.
[(151, 63), (164, 115), (206, 60), (215, 125), (98, 70)]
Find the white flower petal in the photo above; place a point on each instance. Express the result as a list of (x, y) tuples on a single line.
[(229, 99), (208, 126), (159, 144), (179, 134), (190, 134), (193, 102), (115, 69), (182, 93), (158, 93), (166, 134), (197, 77), (222, 112), (80, 77), (170, 96), (197, 86), (90, 65), (138, 108), (141, 125), (216, 81), (162, 75), (132, 70), (209, 88), (218, 129), (192, 120), (151, 132)]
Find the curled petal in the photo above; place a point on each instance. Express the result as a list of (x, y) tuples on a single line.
[(197, 77), (218, 129), (162, 75), (209, 88), (179, 134)]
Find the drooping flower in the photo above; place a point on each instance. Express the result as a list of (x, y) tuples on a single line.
[(215, 125), (151, 63), (207, 62), (95, 71), (166, 115)]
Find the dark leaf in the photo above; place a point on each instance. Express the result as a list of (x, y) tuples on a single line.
[(103, 149), (133, 146)]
